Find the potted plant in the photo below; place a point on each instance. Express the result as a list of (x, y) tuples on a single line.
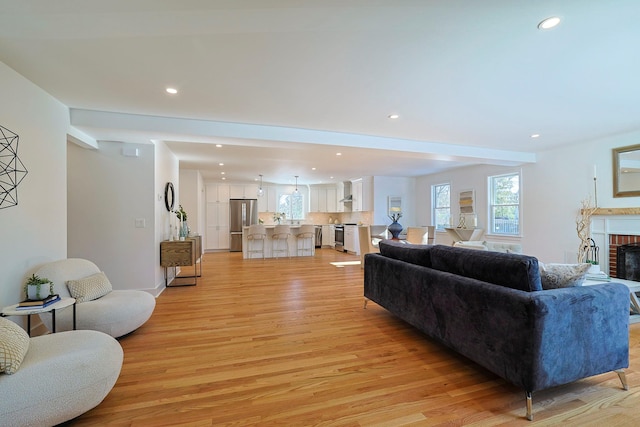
[(35, 288)]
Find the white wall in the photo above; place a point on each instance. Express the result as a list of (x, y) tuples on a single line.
[(385, 186), (552, 190), (35, 230), (166, 169), (107, 193)]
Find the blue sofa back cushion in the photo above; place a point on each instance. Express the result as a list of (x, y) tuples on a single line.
[(414, 254), (514, 271)]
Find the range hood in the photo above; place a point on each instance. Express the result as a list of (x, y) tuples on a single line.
[(347, 197)]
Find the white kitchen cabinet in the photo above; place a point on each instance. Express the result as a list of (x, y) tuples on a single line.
[(322, 199), (243, 191), (328, 236), (332, 200), (356, 190), (268, 201), (217, 233), (217, 193), (314, 199), (351, 242), (340, 206), (362, 190)]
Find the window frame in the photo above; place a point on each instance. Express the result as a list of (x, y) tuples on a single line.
[(435, 207), (289, 215), (491, 204)]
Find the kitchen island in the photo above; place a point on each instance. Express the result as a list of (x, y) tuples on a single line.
[(268, 242)]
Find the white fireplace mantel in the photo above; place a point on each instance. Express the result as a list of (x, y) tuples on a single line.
[(605, 222)]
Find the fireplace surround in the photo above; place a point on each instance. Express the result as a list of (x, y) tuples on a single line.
[(628, 262), (612, 228)]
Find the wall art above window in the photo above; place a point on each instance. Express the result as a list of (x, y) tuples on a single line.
[(12, 171)]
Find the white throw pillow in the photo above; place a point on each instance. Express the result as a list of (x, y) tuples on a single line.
[(89, 288), (14, 343), (555, 276)]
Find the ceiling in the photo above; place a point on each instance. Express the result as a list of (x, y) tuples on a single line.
[(284, 85)]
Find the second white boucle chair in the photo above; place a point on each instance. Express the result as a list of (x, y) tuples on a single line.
[(114, 312)]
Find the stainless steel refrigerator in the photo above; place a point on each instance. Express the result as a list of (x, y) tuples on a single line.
[(242, 213)]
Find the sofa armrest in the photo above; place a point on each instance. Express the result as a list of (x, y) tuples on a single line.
[(542, 339)]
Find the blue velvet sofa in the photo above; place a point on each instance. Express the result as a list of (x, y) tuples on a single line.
[(491, 308)]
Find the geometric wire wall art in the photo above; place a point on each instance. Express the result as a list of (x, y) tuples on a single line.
[(12, 171)]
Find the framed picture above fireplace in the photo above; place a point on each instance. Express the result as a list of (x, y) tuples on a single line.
[(626, 171)]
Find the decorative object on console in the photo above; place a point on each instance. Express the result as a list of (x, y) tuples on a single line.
[(395, 228), (12, 171), (183, 228)]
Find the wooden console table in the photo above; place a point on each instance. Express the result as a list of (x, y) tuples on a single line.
[(181, 253)]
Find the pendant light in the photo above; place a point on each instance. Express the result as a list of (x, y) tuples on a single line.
[(260, 190), (296, 192)]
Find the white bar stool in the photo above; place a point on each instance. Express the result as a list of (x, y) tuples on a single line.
[(281, 233), (257, 233), (306, 234)]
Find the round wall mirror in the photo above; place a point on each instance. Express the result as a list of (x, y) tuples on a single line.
[(169, 196)]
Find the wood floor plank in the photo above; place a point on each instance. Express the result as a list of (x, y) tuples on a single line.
[(287, 342)]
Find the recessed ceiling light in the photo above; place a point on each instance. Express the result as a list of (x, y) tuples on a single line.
[(393, 116), (221, 173), (313, 169), (535, 135), (338, 154), (218, 145), (220, 164), (171, 90), (548, 23)]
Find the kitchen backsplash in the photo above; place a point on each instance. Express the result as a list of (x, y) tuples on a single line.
[(323, 218)]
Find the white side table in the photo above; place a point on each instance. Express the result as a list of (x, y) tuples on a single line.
[(633, 297), (63, 303)]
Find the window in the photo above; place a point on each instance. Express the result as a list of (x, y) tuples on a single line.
[(292, 205), (504, 204), (441, 204)]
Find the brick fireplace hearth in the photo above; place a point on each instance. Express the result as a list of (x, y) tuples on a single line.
[(616, 240)]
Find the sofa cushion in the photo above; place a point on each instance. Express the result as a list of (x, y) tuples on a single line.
[(89, 288), (510, 270), (555, 276), (411, 253), (14, 343)]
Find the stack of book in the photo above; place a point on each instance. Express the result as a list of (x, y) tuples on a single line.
[(600, 276), (34, 304)]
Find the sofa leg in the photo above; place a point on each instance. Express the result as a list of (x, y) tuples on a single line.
[(529, 406), (366, 300), (623, 378)]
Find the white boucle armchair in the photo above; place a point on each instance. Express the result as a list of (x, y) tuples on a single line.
[(117, 313), (62, 376)]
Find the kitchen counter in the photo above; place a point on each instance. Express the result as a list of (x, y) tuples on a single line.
[(292, 242)]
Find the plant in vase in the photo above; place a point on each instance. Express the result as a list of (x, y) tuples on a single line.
[(183, 230), (395, 228), (36, 288)]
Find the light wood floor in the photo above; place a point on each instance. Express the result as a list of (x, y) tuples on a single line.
[(286, 342)]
